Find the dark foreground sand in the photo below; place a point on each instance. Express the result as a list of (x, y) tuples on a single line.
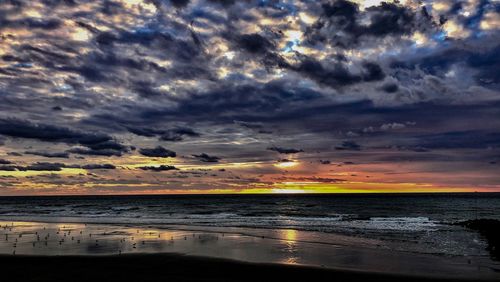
[(171, 267)]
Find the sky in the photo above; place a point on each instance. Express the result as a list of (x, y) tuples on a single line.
[(214, 96)]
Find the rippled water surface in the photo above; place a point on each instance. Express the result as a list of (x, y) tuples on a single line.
[(413, 222)]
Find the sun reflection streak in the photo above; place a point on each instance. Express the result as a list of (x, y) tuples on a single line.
[(289, 236)]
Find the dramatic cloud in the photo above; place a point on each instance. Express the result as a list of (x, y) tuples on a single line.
[(343, 24), (98, 166), (43, 166), (63, 155), (405, 92), (390, 87), (97, 142), (159, 168), (92, 152), (8, 168), (207, 158), (348, 145), (176, 134), (144, 131), (285, 150), (25, 129), (158, 152)]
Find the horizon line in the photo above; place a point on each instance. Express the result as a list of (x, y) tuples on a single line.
[(256, 194)]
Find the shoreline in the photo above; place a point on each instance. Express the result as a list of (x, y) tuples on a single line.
[(340, 239), (400, 193), (53, 240), (258, 232), (178, 267)]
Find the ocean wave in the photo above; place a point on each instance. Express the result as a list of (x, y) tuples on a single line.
[(328, 223)]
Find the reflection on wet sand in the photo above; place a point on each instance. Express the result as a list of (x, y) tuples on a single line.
[(286, 246), (82, 239), (289, 236)]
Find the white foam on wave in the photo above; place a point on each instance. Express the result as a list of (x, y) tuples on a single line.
[(396, 224), (330, 223)]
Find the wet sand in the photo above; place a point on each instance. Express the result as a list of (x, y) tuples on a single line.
[(65, 249), (172, 267)]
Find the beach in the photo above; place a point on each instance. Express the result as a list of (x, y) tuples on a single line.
[(52, 251), (174, 267), (256, 140)]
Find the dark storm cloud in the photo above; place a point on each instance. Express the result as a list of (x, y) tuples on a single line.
[(147, 90), (261, 48), (207, 158), (146, 132), (460, 139), (227, 102), (390, 87), (282, 150), (30, 23), (390, 19), (487, 64), (178, 134), (107, 145), (158, 152), (184, 51), (98, 166), (44, 166), (251, 125), (50, 133), (159, 168), (361, 115), (44, 56), (105, 67), (254, 43), (341, 22), (25, 129), (5, 162), (179, 3), (113, 60), (8, 168), (314, 179), (484, 60), (348, 146), (64, 155), (372, 72), (423, 157), (338, 75), (91, 152), (218, 73), (185, 131), (223, 2), (335, 75)]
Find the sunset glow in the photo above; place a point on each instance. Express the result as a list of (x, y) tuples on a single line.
[(194, 97)]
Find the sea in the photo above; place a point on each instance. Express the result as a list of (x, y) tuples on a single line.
[(421, 223)]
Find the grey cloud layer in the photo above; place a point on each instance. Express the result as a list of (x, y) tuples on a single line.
[(104, 77)]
